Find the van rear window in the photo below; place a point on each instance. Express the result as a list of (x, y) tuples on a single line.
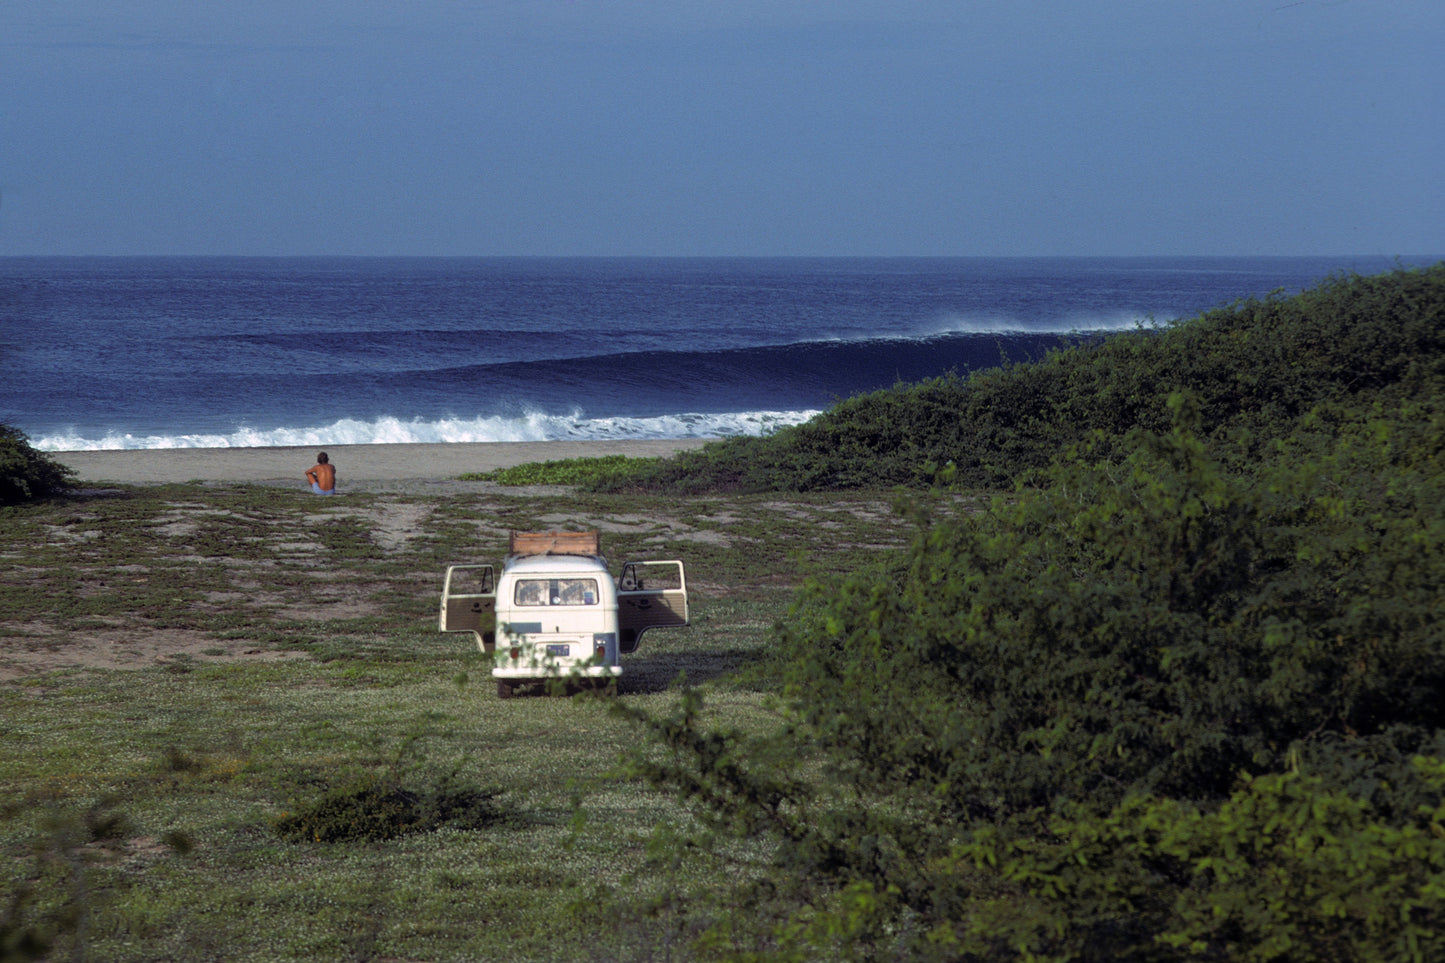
[(556, 591)]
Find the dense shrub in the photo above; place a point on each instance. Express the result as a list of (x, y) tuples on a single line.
[(1148, 623), (1147, 708), (1175, 697), (1289, 867), (25, 473)]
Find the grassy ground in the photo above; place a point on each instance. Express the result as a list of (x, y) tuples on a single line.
[(187, 670)]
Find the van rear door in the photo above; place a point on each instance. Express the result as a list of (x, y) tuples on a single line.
[(650, 595), (469, 603)]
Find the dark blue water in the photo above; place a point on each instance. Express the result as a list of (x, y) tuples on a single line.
[(169, 352)]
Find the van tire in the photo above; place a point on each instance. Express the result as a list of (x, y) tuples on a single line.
[(504, 690)]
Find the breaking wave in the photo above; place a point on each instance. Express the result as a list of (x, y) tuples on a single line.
[(387, 430)]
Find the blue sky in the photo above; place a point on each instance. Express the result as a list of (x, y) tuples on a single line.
[(663, 127)]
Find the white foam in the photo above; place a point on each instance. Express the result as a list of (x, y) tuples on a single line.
[(1075, 324), (387, 430), (995, 325)]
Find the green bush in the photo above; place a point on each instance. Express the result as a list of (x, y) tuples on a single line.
[(1287, 868), (382, 807), (26, 474), (1152, 623), (1001, 716), (1176, 696)]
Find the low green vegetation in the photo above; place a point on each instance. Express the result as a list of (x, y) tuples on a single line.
[(595, 473), (232, 731)]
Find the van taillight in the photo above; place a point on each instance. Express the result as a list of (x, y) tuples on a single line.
[(516, 652)]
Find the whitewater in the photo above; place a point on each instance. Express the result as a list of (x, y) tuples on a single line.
[(536, 427)]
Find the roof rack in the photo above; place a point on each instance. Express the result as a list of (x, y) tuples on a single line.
[(555, 543)]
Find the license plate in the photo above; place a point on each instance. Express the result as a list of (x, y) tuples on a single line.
[(555, 649)]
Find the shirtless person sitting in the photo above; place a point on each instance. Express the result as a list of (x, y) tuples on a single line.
[(322, 476)]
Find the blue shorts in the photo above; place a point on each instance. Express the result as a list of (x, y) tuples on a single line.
[(321, 491)]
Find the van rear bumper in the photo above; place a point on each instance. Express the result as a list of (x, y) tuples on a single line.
[(523, 673)]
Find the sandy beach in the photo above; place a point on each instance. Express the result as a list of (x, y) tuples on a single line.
[(358, 466)]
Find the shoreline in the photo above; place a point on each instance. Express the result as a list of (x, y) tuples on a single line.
[(356, 465)]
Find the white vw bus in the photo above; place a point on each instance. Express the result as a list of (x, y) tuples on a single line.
[(556, 612)]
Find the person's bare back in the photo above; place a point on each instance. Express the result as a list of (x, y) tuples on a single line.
[(322, 475)]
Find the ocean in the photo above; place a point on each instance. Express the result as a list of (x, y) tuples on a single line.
[(168, 352)]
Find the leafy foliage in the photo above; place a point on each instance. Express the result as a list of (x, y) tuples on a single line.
[(1175, 698), (55, 900), (1151, 623), (27, 474), (1286, 868)]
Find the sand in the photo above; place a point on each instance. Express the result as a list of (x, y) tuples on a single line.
[(358, 467)]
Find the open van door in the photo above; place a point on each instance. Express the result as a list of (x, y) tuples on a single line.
[(469, 603), (650, 595)]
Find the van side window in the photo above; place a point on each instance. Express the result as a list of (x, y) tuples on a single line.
[(556, 591)]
